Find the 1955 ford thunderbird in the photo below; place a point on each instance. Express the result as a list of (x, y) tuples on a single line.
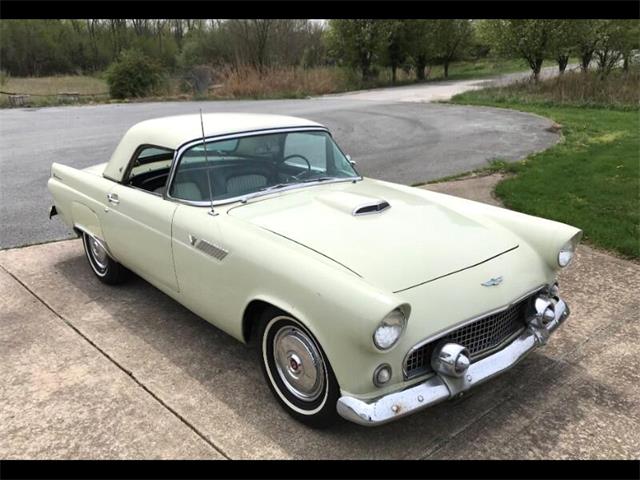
[(367, 299)]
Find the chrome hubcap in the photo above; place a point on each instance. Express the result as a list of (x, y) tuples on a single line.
[(98, 253), (299, 363)]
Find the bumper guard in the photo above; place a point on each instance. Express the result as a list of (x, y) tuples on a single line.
[(442, 387)]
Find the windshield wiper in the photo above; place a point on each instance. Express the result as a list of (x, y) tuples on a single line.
[(319, 179), (263, 190), (274, 187), (279, 186)]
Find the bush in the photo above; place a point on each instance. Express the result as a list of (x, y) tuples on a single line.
[(134, 75), (278, 82)]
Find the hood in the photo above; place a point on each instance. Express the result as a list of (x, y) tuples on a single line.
[(396, 246)]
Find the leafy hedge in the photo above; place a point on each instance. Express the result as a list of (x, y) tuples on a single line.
[(134, 75)]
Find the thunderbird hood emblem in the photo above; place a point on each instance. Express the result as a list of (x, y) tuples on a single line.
[(492, 282)]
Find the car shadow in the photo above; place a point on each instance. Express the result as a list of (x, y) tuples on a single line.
[(215, 382)]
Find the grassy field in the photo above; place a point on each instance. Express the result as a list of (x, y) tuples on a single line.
[(592, 178), (44, 90)]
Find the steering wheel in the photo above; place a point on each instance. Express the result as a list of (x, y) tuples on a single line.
[(300, 175)]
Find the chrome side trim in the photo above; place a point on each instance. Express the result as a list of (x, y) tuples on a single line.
[(464, 323), (441, 387)]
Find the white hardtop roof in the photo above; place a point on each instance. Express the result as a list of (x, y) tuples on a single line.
[(172, 132)]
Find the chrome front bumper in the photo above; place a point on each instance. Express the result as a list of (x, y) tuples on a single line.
[(442, 387)]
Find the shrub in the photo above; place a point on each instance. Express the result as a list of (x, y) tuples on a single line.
[(134, 75), (278, 82)]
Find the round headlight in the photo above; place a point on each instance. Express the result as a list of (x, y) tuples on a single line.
[(389, 330), (566, 254)]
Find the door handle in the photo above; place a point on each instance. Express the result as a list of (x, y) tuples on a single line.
[(113, 198)]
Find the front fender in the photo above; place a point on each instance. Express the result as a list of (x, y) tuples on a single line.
[(544, 236), (339, 308)]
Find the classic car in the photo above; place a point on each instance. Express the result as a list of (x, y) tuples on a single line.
[(367, 299)]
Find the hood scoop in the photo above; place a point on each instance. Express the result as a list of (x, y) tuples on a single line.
[(369, 208), (353, 204)]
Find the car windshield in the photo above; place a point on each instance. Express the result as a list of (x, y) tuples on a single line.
[(251, 165)]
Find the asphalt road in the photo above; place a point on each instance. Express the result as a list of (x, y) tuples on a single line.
[(392, 135)]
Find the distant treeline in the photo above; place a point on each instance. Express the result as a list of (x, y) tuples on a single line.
[(47, 47)]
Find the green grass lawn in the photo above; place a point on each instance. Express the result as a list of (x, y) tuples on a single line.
[(591, 179)]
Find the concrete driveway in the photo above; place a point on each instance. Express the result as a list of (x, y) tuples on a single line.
[(91, 371)]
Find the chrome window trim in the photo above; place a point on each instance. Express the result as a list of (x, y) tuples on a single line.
[(462, 324), (231, 136)]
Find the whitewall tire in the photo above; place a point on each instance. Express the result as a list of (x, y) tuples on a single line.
[(297, 370), (103, 266)]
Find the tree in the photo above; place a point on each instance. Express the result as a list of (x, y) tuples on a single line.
[(478, 47), (395, 49), (586, 38), (617, 39), (420, 44), (450, 38), (251, 39), (357, 43), (563, 42), (527, 39), (631, 41)]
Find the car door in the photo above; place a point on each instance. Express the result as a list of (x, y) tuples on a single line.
[(201, 262), (137, 228)]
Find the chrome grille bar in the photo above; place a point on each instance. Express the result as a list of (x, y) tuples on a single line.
[(480, 338)]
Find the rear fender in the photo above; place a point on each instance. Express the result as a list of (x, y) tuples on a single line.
[(85, 220)]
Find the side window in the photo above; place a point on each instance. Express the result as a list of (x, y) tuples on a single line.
[(310, 145), (150, 169)]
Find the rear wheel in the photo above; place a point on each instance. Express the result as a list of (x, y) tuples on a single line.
[(106, 268), (297, 370)]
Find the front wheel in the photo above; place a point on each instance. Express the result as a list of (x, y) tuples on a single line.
[(297, 370), (106, 268)]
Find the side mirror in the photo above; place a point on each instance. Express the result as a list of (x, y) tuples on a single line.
[(352, 162)]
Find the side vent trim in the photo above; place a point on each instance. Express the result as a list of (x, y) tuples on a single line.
[(210, 249), (371, 208)]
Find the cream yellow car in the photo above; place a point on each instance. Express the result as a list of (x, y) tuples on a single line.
[(367, 299)]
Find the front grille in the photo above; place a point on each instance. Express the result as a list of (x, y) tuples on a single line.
[(480, 337)]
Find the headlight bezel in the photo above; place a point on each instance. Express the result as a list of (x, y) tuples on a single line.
[(391, 319), (569, 248)]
